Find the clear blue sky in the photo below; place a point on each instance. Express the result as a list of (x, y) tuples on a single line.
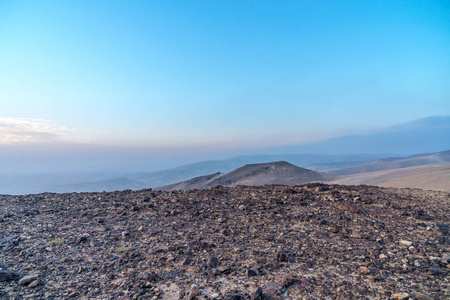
[(218, 74)]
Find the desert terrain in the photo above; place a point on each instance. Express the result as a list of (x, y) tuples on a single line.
[(312, 241), (426, 177)]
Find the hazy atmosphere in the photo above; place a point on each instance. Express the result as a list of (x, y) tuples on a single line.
[(224, 149), (148, 85)]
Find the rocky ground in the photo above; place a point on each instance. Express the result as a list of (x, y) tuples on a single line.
[(274, 242)]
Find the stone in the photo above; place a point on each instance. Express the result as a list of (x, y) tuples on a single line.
[(356, 235), (400, 296), (175, 242), (187, 261), (257, 294), (273, 287), (405, 243), (7, 275), (27, 279), (213, 262), (421, 296), (35, 283), (281, 256), (364, 270), (234, 296)]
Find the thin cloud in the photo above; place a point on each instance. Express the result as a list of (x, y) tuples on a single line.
[(25, 130)]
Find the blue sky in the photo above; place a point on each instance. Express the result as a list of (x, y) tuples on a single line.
[(172, 75)]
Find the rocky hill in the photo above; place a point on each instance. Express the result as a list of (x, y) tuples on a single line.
[(255, 175), (310, 241)]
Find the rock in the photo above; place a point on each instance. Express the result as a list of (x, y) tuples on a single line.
[(378, 225), (187, 261), (234, 296), (356, 235), (193, 293), (7, 275), (421, 215), (213, 262), (238, 249), (35, 283), (444, 228), (82, 239), (257, 294), (27, 279), (275, 248), (333, 229), (273, 287), (281, 256), (364, 270), (400, 296), (223, 270), (421, 296), (405, 243)]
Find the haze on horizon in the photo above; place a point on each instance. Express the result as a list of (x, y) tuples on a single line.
[(189, 80)]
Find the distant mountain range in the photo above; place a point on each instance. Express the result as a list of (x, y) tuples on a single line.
[(253, 175), (182, 173), (395, 163), (210, 173), (424, 135), (427, 135)]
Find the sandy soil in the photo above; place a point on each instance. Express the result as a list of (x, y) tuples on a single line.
[(427, 177)]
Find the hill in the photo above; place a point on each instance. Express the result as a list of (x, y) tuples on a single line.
[(185, 172), (395, 163), (427, 177), (280, 172)]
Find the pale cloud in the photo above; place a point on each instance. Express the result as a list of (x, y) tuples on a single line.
[(24, 130)]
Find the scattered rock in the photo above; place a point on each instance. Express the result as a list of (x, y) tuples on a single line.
[(272, 242), (28, 279)]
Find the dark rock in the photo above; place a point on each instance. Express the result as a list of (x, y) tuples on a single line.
[(281, 256), (257, 294), (378, 225), (213, 262), (82, 239), (421, 215), (187, 261), (444, 228), (7, 275), (234, 296)]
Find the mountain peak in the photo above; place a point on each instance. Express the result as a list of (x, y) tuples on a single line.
[(279, 172)]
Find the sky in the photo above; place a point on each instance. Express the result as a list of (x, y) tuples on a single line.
[(172, 77)]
